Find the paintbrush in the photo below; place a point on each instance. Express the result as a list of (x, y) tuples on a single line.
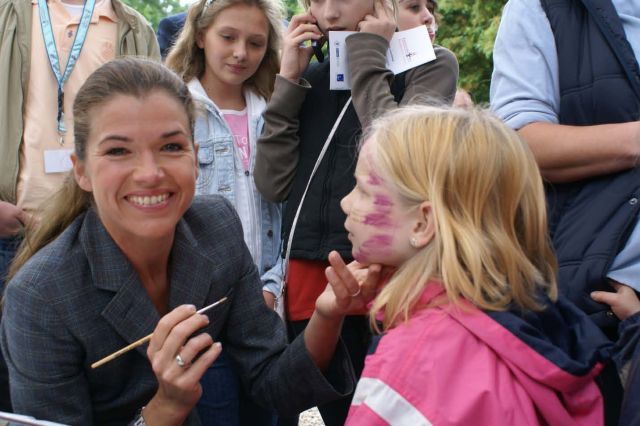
[(145, 339)]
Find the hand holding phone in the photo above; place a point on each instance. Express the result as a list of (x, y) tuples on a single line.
[(296, 52)]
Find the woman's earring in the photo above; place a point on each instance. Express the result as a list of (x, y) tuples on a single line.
[(414, 242)]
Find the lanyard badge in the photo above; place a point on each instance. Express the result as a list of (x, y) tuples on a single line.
[(52, 52)]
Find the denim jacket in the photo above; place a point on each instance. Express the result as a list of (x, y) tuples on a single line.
[(217, 173)]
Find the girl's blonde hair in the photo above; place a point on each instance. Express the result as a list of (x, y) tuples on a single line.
[(491, 245), (188, 61)]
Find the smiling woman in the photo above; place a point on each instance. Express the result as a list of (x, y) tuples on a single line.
[(140, 166), (126, 251)]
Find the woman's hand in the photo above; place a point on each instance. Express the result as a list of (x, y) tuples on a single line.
[(178, 385), (624, 302), (295, 56), (382, 22), (351, 287)]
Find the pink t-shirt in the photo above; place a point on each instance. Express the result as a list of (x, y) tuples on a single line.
[(238, 123)]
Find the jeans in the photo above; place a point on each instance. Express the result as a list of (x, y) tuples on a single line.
[(8, 249), (224, 402)]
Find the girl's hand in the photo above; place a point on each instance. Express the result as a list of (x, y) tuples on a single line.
[(178, 386), (295, 56), (382, 22), (624, 302), (351, 287)]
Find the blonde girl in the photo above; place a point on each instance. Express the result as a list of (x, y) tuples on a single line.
[(298, 120), (473, 329)]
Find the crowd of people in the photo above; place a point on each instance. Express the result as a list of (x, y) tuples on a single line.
[(390, 253)]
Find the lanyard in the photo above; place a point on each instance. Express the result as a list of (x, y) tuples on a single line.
[(52, 52)]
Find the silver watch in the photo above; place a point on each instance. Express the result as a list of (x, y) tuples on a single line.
[(139, 420)]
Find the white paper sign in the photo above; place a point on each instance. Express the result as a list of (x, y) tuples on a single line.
[(57, 160), (410, 48), (407, 49)]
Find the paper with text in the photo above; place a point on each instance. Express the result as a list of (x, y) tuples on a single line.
[(407, 49)]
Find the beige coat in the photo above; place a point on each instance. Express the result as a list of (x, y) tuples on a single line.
[(135, 37)]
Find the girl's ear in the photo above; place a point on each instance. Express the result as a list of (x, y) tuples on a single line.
[(79, 173), (200, 39), (425, 227)]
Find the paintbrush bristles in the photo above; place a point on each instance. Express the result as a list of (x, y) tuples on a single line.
[(146, 338), (213, 305)]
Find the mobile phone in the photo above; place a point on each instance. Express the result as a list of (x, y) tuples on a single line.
[(316, 45)]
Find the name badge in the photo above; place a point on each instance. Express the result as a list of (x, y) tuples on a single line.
[(57, 160)]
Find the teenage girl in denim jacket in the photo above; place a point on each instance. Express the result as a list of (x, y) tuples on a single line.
[(229, 63)]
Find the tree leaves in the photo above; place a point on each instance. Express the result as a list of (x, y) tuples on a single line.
[(468, 29), (155, 10)]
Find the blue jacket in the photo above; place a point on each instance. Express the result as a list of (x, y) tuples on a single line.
[(169, 29), (217, 172)]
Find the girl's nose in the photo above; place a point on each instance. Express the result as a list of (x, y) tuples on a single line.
[(331, 11), (427, 17), (345, 203), (240, 52)]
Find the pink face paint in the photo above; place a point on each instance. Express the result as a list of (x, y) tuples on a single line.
[(374, 179), (378, 241), (382, 200), (378, 219), (376, 246)]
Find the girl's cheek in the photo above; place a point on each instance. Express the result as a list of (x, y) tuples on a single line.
[(378, 220), (357, 216), (378, 246), (382, 201), (381, 215), (379, 242), (374, 179)]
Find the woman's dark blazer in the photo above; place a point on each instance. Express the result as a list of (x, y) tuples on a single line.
[(79, 299)]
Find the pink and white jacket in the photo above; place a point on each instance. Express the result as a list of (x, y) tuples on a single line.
[(461, 366)]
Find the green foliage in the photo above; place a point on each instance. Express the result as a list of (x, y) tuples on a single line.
[(292, 8), (468, 28), (155, 10)]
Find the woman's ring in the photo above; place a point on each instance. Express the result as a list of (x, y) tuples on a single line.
[(180, 362), (357, 292)]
